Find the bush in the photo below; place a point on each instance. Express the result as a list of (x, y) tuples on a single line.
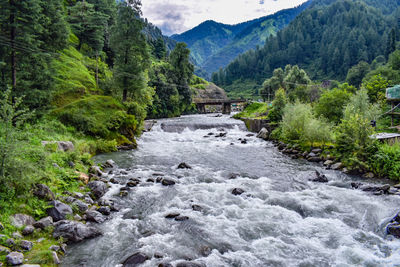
[(295, 119), (254, 110), (278, 105), (385, 161), (332, 103), (317, 131)]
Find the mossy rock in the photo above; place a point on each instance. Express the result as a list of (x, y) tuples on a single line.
[(99, 116)]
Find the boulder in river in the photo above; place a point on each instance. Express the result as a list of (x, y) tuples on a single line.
[(172, 215), (184, 165), (109, 164), (393, 229), (263, 134), (189, 264), (167, 182), (73, 231), (237, 191), (59, 210), (181, 218), (321, 178), (94, 216), (135, 260), (98, 188)]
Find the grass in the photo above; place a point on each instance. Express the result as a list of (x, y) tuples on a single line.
[(255, 110)]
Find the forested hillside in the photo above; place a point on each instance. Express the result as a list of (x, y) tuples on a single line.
[(326, 40), (213, 45)]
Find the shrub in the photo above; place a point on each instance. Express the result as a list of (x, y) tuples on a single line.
[(385, 161), (278, 106), (295, 119), (332, 103), (317, 131)]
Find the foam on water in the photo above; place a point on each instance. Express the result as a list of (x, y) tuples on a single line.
[(282, 219)]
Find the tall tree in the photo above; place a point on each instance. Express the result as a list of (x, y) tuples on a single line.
[(30, 31), (183, 71), (132, 57)]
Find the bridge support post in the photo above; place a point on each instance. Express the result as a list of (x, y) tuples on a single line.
[(201, 108), (226, 108)]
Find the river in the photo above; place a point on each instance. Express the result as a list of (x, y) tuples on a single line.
[(282, 218)]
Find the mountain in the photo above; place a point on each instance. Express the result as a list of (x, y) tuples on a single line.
[(326, 40), (213, 45), (153, 33)]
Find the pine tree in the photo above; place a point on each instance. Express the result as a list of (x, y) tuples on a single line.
[(131, 51)]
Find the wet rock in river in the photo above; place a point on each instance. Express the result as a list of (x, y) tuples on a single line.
[(98, 188), (393, 229), (94, 216), (82, 206), (133, 183), (172, 215), (197, 208), (167, 182), (184, 165), (105, 210), (165, 264), (135, 260), (189, 264), (109, 164), (337, 166), (321, 178), (237, 191)]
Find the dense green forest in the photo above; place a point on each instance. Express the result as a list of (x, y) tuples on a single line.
[(86, 72), (326, 40), (213, 45)]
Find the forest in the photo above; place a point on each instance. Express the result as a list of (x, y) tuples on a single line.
[(326, 40)]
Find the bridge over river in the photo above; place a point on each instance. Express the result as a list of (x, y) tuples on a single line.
[(225, 103)]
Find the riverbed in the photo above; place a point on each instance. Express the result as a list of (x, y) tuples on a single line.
[(281, 219)]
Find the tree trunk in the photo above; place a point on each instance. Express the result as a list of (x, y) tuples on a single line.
[(13, 53)]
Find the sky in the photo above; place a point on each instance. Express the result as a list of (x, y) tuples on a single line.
[(181, 15)]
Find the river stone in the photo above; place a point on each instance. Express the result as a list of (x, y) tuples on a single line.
[(15, 258), (369, 175), (132, 183), (197, 207), (94, 216), (337, 166), (110, 164), (184, 165), (82, 206), (311, 155), (135, 260), (329, 163), (10, 242), (393, 229), (321, 178), (59, 211), (314, 159), (74, 232), (18, 220), (385, 188), (317, 151), (165, 264), (27, 245), (172, 215), (43, 192), (98, 188), (44, 222), (95, 170), (105, 210), (28, 230), (237, 191), (167, 182)]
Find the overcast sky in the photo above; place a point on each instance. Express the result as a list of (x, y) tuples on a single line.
[(181, 15)]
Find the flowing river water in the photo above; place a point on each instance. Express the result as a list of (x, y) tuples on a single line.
[(282, 218)]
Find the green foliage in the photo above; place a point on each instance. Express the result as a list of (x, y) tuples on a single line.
[(354, 133), (332, 103), (16, 172), (356, 74), (278, 106), (385, 160), (325, 40), (254, 110), (99, 116), (376, 87)]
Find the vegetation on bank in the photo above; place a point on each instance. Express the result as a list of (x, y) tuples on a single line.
[(87, 72), (338, 118)]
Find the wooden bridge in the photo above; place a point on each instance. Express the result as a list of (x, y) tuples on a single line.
[(226, 104)]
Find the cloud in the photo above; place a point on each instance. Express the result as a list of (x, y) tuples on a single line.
[(181, 15)]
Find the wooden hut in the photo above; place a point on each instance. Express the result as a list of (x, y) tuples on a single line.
[(393, 97)]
